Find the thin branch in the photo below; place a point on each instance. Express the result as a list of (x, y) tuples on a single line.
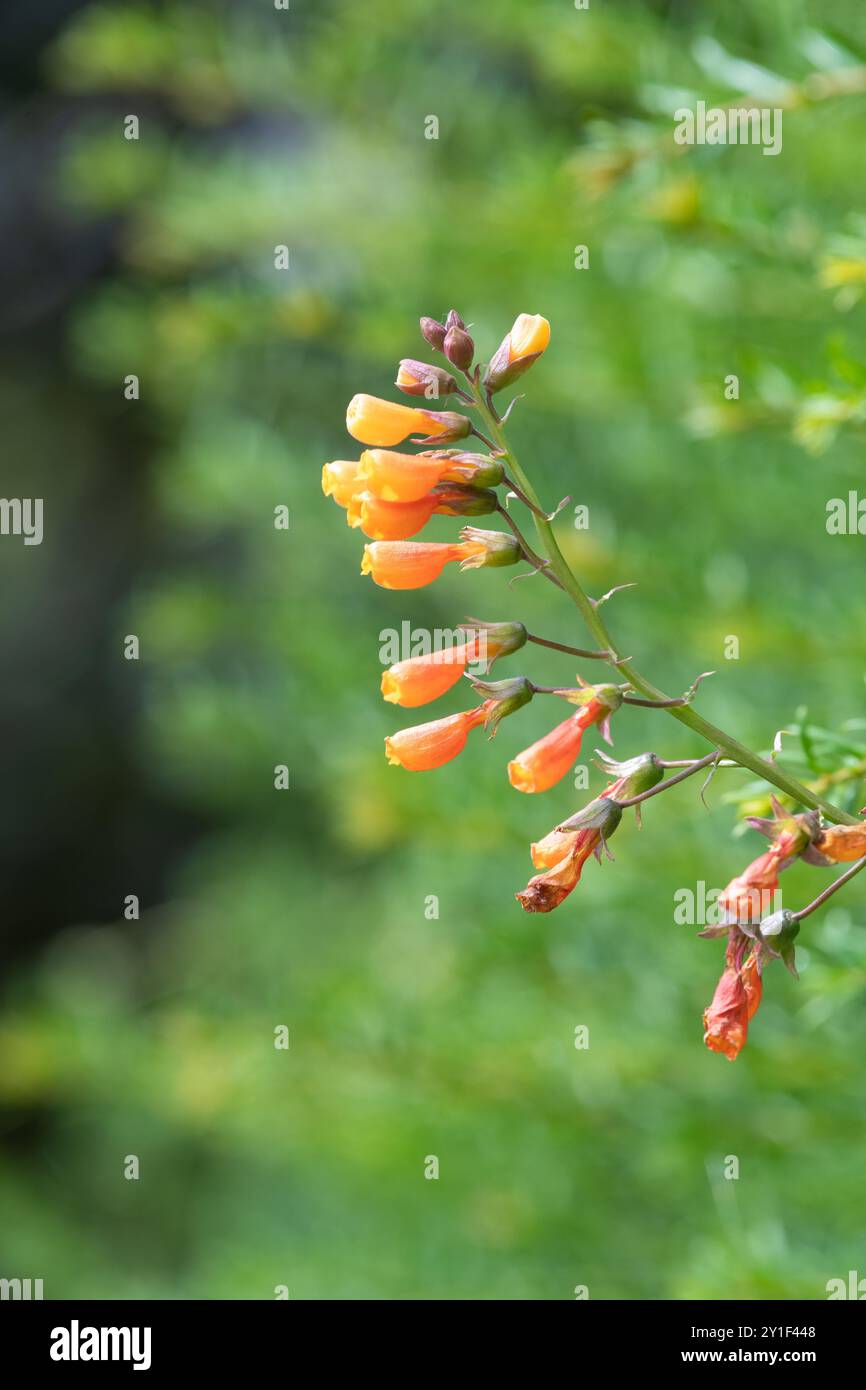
[(669, 781), (828, 892), (572, 651)]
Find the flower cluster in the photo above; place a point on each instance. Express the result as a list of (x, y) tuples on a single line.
[(390, 496)]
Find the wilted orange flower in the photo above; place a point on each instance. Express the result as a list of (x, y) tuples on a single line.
[(547, 761), (341, 480), (748, 897), (529, 336), (841, 843), (737, 996), (374, 421), (426, 746), (564, 852)]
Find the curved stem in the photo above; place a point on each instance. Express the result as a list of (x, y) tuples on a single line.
[(776, 776), (828, 892)]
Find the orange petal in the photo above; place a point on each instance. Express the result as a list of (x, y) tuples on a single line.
[(546, 762), (426, 746)]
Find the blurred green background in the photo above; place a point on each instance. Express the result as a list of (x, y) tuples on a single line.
[(412, 1037)]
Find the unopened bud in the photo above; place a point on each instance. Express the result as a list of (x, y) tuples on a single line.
[(505, 696), (459, 348), (434, 332), (422, 379)]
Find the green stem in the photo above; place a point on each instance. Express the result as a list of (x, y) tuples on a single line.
[(591, 616)]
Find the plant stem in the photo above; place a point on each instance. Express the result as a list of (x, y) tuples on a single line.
[(589, 612), (668, 782), (828, 892)]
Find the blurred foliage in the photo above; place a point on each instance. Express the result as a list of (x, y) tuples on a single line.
[(454, 1036)]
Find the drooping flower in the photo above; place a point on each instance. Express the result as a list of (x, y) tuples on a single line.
[(413, 564), (420, 679), (408, 477), (341, 480), (587, 834), (427, 746), (747, 898), (374, 421), (398, 521), (737, 996), (841, 843), (527, 340), (548, 760)]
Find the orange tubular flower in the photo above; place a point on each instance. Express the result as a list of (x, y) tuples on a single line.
[(546, 762), (426, 746), (421, 679), (341, 480), (409, 477), (841, 843), (594, 826), (412, 564), (529, 336), (737, 996), (389, 521), (401, 477), (374, 421)]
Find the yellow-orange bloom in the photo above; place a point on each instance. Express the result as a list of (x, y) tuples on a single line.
[(548, 760), (426, 746), (841, 843), (421, 679), (737, 996), (374, 421), (553, 848), (408, 477), (412, 564), (390, 521), (529, 336), (401, 477), (341, 480)]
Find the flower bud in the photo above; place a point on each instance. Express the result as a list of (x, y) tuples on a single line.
[(453, 320), (527, 340), (504, 697), (489, 549), (633, 776), (434, 332), (421, 379), (453, 499), (601, 814), (776, 935), (459, 348), (495, 639)]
